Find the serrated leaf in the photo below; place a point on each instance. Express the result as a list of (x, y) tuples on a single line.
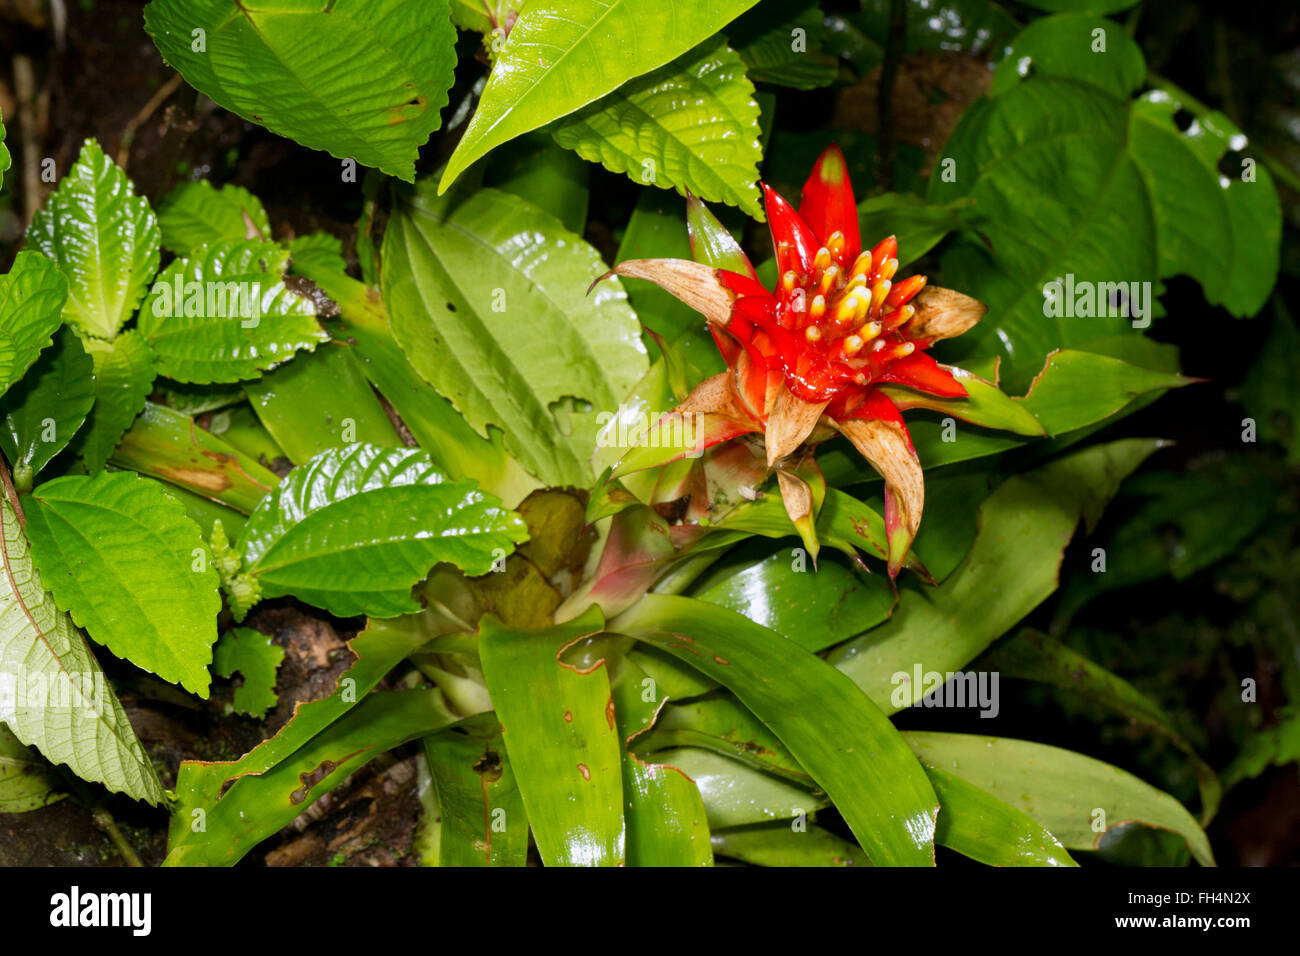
[(225, 314), (53, 695), (360, 79), (783, 47), (563, 54), (196, 214), (43, 412), (488, 300), (131, 568), (32, 297), (690, 125), (256, 658), (104, 238), (123, 375), (354, 528)]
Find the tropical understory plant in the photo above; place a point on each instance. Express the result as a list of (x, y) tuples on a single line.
[(592, 572)]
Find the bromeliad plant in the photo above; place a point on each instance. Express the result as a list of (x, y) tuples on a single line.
[(600, 651)]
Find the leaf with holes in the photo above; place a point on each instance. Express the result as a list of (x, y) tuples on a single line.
[(104, 238), (360, 79), (131, 568), (690, 125), (354, 528), (224, 314), (54, 696)]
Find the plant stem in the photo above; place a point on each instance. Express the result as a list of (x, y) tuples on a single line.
[(104, 820)]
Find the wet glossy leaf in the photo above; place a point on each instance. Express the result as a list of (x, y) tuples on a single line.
[(461, 274), (540, 171), (559, 731), (780, 844), (104, 238), (483, 818), (354, 528), (32, 296), (981, 826), (563, 54), (124, 374), (279, 64), (1067, 793), (123, 558), (56, 698), (781, 44), (1067, 46), (835, 733), (224, 314), (43, 412), (196, 214), (735, 795), (690, 125)]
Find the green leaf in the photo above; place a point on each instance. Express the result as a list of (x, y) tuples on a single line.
[(918, 224), (32, 296), (981, 826), (257, 659), (558, 725), (1089, 6), (1062, 790), (483, 818), (690, 125), (1277, 745), (540, 171), (353, 529), (836, 733), (766, 41), (168, 445), (53, 695), (735, 795), (196, 214), (103, 237), (984, 404), (4, 152), (487, 296), (43, 412), (1031, 655), (779, 844), (1069, 47), (123, 375), (1271, 391), (563, 54), (257, 805), (1012, 567), (26, 781), (129, 565), (360, 79), (320, 401)]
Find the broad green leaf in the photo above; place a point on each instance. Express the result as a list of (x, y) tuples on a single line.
[(26, 781), (317, 253), (1012, 567), (1063, 791), (735, 795), (320, 401), (168, 445), (225, 314), (488, 300), (196, 214), (780, 844), (558, 725), (1087, 6), (32, 296), (354, 528), (563, 54), (123, 375), (836, 733), (981, 826), (1271, 392), (783, 46), (483, 818), (256, 658), (360, 79), (984, 404), (130, 567), (1031, 655), (919, 225), (537, 169), (103, 237), (43, 412), (976, 26), (1222, 229), (1277, 745), (257, 805), (53, 695), (690, 125), (1070, 47)]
